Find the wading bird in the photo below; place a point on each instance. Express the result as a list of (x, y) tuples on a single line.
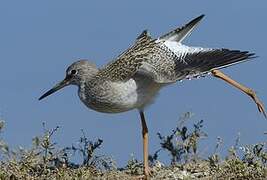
[(134, 78)]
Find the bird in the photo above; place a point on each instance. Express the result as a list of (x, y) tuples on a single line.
[(133, 79)]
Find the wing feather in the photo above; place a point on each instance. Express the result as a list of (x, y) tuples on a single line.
[(127, 63), (199, 61), (179, 34)]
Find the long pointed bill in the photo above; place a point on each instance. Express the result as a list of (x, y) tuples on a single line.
[(57, 87)]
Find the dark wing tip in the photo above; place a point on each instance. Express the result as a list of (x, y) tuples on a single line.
[(248, 55), (194, 21), (251, 55), (200, 17), (197, 19), (180, 33)]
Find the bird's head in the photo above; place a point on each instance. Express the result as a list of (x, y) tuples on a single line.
[(76, 74)]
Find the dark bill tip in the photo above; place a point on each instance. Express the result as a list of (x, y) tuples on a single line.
[(57, 87), (51, 91)]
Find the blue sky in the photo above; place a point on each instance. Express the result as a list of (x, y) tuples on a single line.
[(39, 39)]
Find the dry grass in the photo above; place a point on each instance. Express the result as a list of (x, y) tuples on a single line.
[(45, 160)]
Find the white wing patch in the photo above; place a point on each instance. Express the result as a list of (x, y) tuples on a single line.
[(182, 50)]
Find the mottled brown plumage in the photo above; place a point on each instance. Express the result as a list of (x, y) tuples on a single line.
[(126, 65)]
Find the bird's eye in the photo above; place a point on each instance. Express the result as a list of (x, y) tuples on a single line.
[(73, 72)]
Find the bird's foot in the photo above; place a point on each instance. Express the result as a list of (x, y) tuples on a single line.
[(147, 173), (146, 176), (259, 104)]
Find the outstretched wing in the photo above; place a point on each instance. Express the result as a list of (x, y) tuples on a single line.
[(148, 56), (179, 34), (166, 60), (126, 64), (195, 61)]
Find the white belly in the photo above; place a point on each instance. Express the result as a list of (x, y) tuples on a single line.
[(136, 94), (122, 96)]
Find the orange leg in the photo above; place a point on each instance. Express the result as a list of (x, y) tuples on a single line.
[(246, 90), (147, 172)]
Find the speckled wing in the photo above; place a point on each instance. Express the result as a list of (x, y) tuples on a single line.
[(127, 64), (166, 60), (149, 57)]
